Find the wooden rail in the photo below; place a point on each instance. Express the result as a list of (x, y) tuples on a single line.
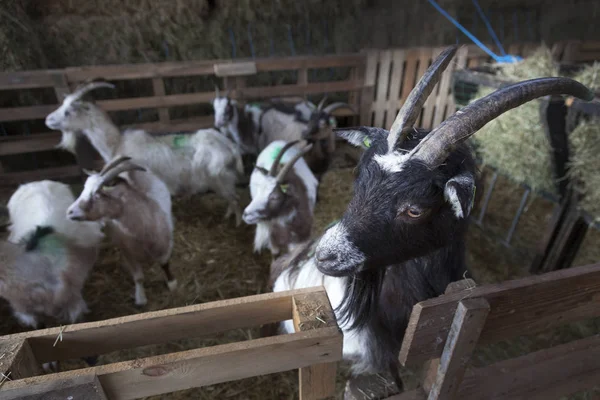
[(443, 333), (314, 349)]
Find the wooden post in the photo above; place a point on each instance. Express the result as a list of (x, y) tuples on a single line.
[(158, 86), (431, 367), (468, 323), (316, 381), (17, 360), (302, 77)]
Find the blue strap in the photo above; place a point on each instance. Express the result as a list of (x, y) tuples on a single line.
[(488, 25), (500, 59)]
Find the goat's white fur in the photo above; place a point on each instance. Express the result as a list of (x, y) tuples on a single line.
[(335, 241)]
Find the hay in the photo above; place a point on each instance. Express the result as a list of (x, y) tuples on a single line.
[(584, 164), (590, 76), (515, 142)]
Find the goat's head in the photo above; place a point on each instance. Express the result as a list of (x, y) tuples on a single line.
[(412, 195), (321, 119), (103, 191), (273, 195), (71, 115), (224, 109)]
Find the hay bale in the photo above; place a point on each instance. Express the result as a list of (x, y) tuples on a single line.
[(19, 45), (585, 164), (515, 143), (590, 76)]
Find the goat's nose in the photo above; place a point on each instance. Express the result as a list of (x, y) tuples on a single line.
[(326, 256)]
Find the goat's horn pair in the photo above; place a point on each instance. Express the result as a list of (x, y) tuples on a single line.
[(334, 106), (436, 146), (290, 164), (89, 86), (117, 167), (279, 156), (321, 103), (408, 114)]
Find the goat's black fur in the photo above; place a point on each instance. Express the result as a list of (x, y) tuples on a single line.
[(33, 239)]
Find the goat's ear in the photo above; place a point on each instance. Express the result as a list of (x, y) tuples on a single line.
[(360, 137), (460, 194)]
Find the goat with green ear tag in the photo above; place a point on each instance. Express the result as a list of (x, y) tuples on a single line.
[(283, 191)]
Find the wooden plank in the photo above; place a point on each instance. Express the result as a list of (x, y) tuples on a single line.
[(84, 387), (546, 374), (466, 327), (17, 360), (431, 367), (446, 105), (302, 76), (29, 144), (206, 366), (367, 93), (158, 85), (54, 173), (393, 102), (519, 307), (28, 79), (235, 69), (313, 311), (101, 337), (416, 394), (380, 104)]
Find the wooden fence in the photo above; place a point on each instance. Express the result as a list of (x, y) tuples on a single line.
[(314, 349), (443, 333), (378, 83)]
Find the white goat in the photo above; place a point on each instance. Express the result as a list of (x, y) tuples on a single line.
[(197, 163), (135, 206), (282, 202), (47, 258)]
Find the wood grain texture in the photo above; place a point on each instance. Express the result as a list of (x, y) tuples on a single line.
[(206, 366), (518, 307), (80, 387), (547, 374), (467, 325), (101, 337), (313, 311), (17, 360), (235, 69)]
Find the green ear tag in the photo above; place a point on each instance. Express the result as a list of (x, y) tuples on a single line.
[(332, 122), (284, 188), (367, 142), (179, 141)]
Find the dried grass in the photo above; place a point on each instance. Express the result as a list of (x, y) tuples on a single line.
[(585, 164), (590, 76), (515, 142)]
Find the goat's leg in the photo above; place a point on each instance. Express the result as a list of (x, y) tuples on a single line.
[(171, 281), (77, 307), (138, 278), (26, 319), (227, 191)]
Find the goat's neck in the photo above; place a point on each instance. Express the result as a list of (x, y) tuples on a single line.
[(104, 136), (241, 127)]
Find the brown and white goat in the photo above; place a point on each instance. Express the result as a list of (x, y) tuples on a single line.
[(47, 257), (135, 207), (401, 239), (283, 198)]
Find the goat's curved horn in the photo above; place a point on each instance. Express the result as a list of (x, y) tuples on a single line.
[(334, 106), (123, 167), (436, 146), (113, 164), (277, 160), (408, 114), (290, 164), (321, 103), (80, 91)]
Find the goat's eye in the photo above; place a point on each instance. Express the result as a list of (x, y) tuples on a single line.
[(414, 212)]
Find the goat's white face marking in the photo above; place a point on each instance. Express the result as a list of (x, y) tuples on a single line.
[(336, 253), (392, 162), (91, 186), (56, 119), (452, 197), (220, 106), (261, 187)]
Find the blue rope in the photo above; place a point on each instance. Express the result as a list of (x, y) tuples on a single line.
[(232, 40), (488, 25), (250, 41), (500, 59)]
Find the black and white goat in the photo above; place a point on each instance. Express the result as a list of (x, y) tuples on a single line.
[(47, 258), (232, 120), (135, 207), (194, 163), (401, 239), (283, 191)]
